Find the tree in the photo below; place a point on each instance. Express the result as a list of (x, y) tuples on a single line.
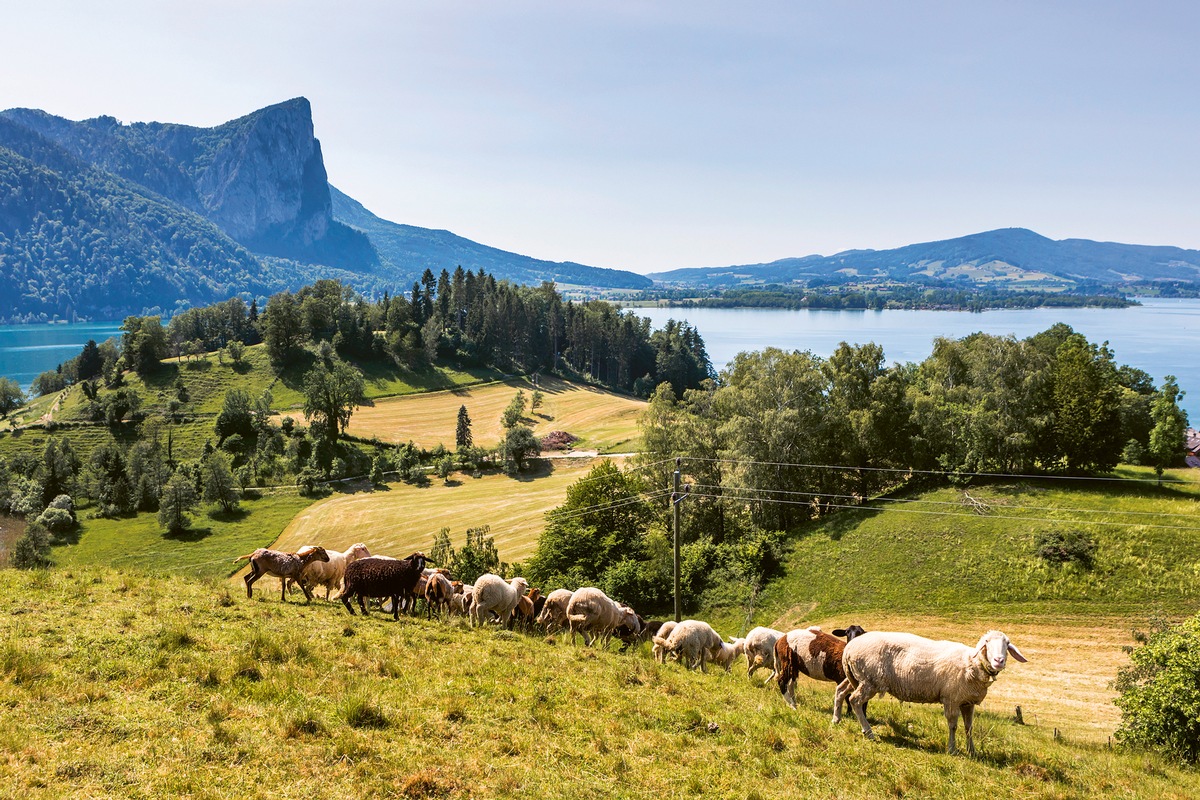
[(235, 417), (331, 393), (518, 446), (535, 402), (32, 549), (177, 499), (1168, 436), (284, 329), (1087, 422), (462, 431), (143, 343), (515, 410), (220, 486), (236, 350), (11, 396), (90, 363)]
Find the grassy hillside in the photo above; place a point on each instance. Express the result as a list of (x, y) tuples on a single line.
[(606, 421), (189, 689)]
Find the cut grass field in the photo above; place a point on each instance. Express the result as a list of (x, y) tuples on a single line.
[(403, 518), (606, 422), (117, 683)]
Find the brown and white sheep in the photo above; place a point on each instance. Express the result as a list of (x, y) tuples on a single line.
[(284, 566), (438, 593), (760, 650), (811, 652), (329, 573)]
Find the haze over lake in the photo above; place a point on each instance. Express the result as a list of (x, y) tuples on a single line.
[(1161, 336)]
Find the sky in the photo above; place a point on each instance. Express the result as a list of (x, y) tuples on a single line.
[(655, 135)]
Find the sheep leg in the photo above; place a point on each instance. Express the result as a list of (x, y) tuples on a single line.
[(968, 717), (858, 702), (395, 608), (362, 606), (839, 697), (307, 592), (346, 602), (952, 713), (251, 577)]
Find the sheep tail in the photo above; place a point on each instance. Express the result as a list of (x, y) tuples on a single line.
[(246, 557)]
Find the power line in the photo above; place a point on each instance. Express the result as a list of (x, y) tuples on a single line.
[(943, 473), (818, 495)]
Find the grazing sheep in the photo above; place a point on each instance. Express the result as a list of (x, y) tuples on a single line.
[(377, 576), (760, 650), (494, 595), (524, 614), (439, 591), (460, 603), (812, 652), (728, 653), (554, 611), (632, 632), (592, 614), (914, 669), (328, 573), (659, 651), (693, 642), (284, 566)]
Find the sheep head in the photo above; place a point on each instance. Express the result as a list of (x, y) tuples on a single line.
[(849, 632), (317, 553), (419, 559), (993, 651)]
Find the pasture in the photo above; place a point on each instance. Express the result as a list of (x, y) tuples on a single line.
[(402, 518), (124, 683), (606, 422)]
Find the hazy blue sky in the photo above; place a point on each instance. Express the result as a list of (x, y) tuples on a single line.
[(654, 135)]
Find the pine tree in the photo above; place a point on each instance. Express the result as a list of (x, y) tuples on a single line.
[(462, 433)]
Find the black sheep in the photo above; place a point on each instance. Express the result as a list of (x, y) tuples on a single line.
[(377, 576)]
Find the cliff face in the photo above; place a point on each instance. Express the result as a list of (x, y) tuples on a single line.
[(260, 178)]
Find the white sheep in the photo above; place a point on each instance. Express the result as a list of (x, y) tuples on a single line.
[(593, 614), (554, 613), (693, 642), (659, 651), (493, 594), (329, 573), (760, 650), (914, 669)]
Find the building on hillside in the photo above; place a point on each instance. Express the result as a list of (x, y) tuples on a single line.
[(1192, 445)]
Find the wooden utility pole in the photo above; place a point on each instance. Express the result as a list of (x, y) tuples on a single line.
[(677, 497)]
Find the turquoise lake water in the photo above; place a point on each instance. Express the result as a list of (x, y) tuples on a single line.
[(27, 350)]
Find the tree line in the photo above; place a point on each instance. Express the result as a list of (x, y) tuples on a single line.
[(783, 437)]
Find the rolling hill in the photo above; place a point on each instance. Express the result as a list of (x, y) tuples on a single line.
[(1010, 257)]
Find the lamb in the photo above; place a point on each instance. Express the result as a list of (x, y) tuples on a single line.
[(377, 576), (728, 653), (914, 669), (554, 611), (264, 561), (812, 652), (693, 642), (591, 613), (438, 593), (659, 651), (527, 608), (493, 594), (460, 603), (760, 650), (328, 573)]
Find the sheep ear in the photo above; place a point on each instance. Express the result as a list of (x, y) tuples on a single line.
[(839, 632), (1015, 653)]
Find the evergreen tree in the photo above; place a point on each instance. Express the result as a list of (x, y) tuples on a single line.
[(177, 499), (220, 486), (462, 431)]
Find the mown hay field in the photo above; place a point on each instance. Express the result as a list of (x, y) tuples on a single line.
[(605, 421), (402, 518)]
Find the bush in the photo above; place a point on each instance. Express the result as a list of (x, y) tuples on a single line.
[(56, 520), (32, 550), (1160, 693), (558, 440), (1066, 547)]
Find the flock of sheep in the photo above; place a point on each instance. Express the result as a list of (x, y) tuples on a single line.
[(862, 664)]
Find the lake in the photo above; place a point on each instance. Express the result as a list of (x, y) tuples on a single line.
[(28, 350), (1161, 336)]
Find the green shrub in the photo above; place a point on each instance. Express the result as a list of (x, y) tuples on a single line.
[(1066, 547), (1160, 693), (32, 549)]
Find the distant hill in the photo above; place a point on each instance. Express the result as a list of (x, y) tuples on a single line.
[(406, 250), (1010, 257), (100, 219)]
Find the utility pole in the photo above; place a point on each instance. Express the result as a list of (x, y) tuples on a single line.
[(677, 497)]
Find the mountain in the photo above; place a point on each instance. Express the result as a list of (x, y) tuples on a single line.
[(400, 246), (102, 219), (1010, 257)]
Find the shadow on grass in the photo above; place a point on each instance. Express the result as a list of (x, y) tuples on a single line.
[(221, 515), (188, 535)]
